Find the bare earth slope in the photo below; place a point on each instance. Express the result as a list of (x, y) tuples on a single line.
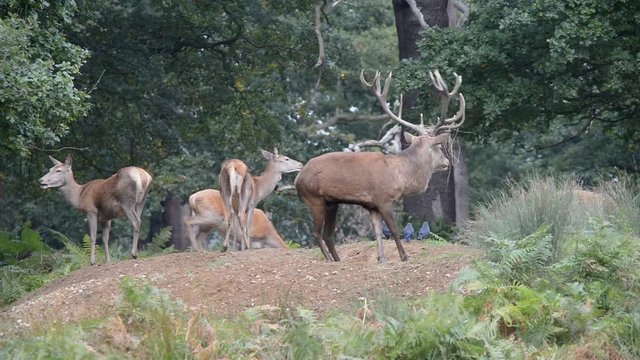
[(229, 283)]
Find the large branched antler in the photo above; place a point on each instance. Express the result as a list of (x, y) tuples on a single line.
[(381, 94), (444, 124), (457, 120)]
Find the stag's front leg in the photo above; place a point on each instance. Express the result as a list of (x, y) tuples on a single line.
[(106, 228), (93, 234), (387, 215)]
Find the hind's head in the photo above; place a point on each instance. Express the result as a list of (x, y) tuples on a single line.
[(58, 175), (283, 163)]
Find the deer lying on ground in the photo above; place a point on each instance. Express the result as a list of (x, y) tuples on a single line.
[(241, 191), (121, 195), (373, 180), (208, 213)]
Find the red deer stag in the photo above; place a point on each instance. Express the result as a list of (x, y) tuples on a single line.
[(373, 180), (121, 195), (208, 213), (241, 191)]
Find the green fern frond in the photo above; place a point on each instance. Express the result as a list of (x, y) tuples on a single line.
[(160, 240), (80, 254)]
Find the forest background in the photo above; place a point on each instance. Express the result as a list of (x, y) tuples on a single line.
[(177, 87)]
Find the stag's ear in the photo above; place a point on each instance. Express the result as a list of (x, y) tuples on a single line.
[(267, 155), (54, 161), (440, 139), (409, 137), (69, 161)]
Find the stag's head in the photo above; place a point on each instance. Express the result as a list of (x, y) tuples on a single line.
[(436, 148), (58, 175), (282, 163)]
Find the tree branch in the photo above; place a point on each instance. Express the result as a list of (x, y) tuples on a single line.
[(457, 12), (318, 30), (339, 116), (418, 14)]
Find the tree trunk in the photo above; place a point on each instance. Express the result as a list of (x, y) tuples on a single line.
[(174, 213), (447, 194)]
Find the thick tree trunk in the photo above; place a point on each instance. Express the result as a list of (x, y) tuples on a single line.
[(408, 26), (174, 213), (447, 194)]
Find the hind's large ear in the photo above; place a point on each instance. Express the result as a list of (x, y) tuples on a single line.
[(54, 161), (69, 160), (267, 155)]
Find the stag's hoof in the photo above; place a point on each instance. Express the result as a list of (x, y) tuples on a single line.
[(382, 259), (135, 256)]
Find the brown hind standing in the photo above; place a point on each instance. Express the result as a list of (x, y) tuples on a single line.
[(373, 180), (208, 213), (241, 191), (121, 195)]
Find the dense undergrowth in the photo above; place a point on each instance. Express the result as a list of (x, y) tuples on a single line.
[(27, 263), (561, 279)]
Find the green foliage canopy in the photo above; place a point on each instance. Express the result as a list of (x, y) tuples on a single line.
[(546, 75), (38, 99)]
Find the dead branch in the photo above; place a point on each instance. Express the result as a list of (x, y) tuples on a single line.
[(318, 30), (416, 11), (341, 117), (457, 12)]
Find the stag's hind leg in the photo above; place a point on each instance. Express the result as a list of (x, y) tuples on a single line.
[(318, 209), (331, 213)]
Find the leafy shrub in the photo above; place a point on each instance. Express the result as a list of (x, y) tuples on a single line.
[(68, 342), (158, 319)]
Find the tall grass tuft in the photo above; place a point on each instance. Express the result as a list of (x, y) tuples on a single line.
[(524, 208), (625, 197)]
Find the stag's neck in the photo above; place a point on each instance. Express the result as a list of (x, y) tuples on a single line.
[(266, 182), (416, 166), (71, 191)]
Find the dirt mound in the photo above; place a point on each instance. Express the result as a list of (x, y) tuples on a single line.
[(229, 283)]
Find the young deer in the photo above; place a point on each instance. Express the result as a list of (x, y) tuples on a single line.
[(208, 212), (241, 191), (373, 180), (121, 195)]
